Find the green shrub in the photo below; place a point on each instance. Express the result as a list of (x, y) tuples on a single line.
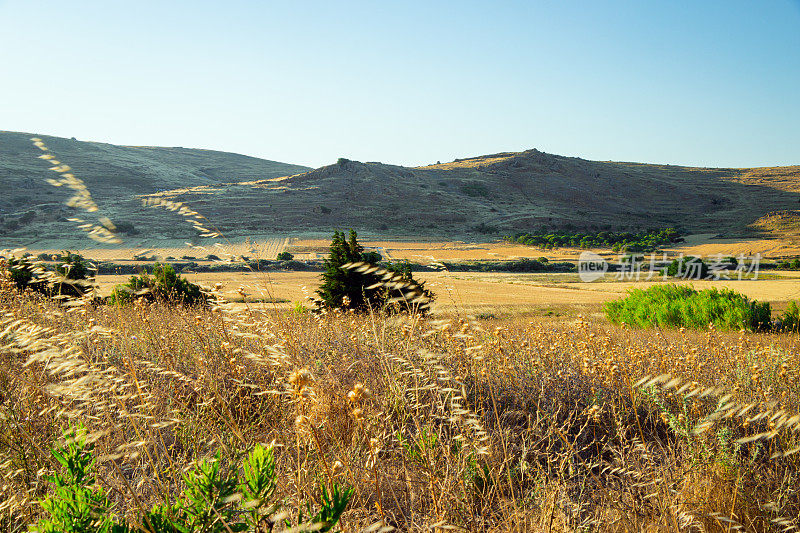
[(688, 268), (24, 274), (165, 285), (74, 273), (211, 502), (790, 320), (475, 189), (126, 227), (680, 306), (285, 256)]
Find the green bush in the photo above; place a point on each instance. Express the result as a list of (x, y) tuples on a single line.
[(74, 273), (688, 268), (126, 227), (285, 256), (24, 274), (789, 265), (348, 288), (790, 320), (165, 285), (475, 189), (211, 502), (680, 306)]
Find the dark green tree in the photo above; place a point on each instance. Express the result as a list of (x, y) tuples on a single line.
[(73, 272), (688, 268), (22, 272), (346, 288)]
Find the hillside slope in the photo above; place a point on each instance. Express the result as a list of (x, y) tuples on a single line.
[(115, 175), (503, 193), (481, 197)]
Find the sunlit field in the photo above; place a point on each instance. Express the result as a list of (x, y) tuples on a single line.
[(464, 293), (528, 423)]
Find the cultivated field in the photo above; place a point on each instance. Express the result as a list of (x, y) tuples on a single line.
[(500, 294)]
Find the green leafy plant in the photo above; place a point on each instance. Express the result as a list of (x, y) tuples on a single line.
[(164, 285), (73, 274), (790, 320), (213, 501), (76, 503), (285, 256), (688, 268), (680, 306)]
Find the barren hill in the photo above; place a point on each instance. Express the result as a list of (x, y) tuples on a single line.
[(503, 193), (480, 197), (115, 175)]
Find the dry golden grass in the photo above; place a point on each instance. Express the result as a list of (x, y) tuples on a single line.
[(472, 162), (520, 425), (439, 423)]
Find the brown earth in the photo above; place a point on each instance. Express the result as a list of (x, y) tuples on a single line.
[(474, 199)]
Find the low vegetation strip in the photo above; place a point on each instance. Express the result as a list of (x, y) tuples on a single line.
[(634, 242), (681, 306)]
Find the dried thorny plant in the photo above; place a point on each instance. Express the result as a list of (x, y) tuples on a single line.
[(435, 423)]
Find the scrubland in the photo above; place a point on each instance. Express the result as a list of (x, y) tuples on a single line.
[(526, 424)]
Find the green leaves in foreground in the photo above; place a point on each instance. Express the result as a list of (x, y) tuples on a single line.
[(212, 502), (77, 504)]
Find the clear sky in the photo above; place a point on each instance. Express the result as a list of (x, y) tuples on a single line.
[(708, 83)]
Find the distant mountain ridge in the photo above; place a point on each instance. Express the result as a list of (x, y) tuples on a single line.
[(481, 197)]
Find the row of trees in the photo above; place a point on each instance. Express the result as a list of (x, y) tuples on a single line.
[(633, 242)]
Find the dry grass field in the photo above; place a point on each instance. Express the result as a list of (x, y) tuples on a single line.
[(704, 245), (514, 406), (438, 424), (464, 293)]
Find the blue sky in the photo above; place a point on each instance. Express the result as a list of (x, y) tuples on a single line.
[(696, 83)]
